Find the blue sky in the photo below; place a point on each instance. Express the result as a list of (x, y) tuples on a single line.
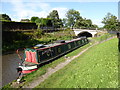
[(95, 11)]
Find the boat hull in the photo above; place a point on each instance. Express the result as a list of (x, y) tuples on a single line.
[(28, 69)]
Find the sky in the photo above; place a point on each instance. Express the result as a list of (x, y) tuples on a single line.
[(96, 11)]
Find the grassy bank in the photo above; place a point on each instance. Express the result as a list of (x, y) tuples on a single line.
[(104, 37), (101, 38), (96, 68)]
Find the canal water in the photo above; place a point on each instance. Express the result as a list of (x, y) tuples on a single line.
[(9, 64)]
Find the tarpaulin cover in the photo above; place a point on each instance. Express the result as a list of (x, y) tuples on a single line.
[(30, 56)]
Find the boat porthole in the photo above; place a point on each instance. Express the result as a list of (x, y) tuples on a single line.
[(79, 42), (82, 41), (75, 43), (48, 54), (59, 50), (69, 46)]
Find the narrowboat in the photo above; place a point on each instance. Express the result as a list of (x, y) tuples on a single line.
[(34, 57)]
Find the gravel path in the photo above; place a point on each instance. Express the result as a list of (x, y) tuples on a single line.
[(50, 71)]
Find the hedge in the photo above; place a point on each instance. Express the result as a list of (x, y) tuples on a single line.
[(6, 26)]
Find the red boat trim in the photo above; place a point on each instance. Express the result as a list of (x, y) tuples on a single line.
[(28, 71)]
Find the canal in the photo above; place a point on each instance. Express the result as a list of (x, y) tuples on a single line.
[(9, 64)]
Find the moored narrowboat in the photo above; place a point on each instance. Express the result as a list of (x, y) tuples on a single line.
[(34, 57)]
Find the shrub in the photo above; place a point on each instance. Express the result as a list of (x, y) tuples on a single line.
[(38, 33)]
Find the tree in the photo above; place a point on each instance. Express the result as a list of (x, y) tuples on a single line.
[(78, 23), (59, 23), (110, 22), (94, 26), (64, 21), (83, 23), (49, 22), (33, 19), (75, 20), (42, 22), (54, 16), (4, 17), (39, 32), (38, 21), (72, 15), (89, 23)]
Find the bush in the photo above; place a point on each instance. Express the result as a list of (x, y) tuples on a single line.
[(38, 33)]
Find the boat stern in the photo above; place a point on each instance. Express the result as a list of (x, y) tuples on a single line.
[(27, 68)]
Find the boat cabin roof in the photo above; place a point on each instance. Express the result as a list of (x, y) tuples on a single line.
[(57, 43)]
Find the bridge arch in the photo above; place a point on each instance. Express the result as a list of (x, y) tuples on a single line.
[(85, 33)]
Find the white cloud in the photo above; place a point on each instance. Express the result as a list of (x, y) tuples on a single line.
[(61, 11), (27, 10), (19, 8), (98, 22)]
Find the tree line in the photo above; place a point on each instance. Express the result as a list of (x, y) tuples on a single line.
[(72, 20)]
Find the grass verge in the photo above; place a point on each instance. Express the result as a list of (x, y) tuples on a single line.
[(96, 68), (102, 37)]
